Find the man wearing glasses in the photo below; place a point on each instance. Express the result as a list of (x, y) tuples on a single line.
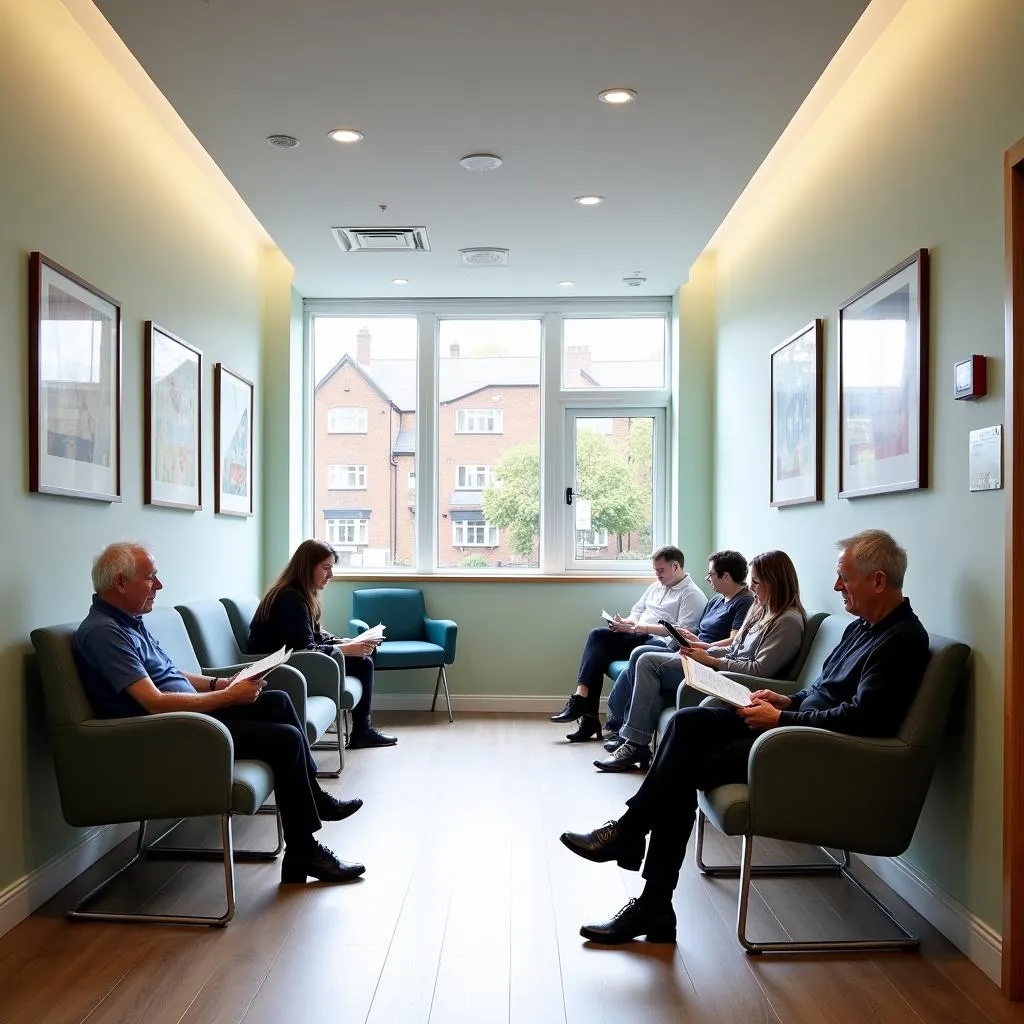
[(649, 684)]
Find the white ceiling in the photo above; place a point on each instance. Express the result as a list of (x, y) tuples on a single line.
[(429, 81)]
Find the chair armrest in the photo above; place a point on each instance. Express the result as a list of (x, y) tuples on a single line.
[(357, 626), (176, 764), (444, 633), (784, 686), (815, 786), (322, 672)]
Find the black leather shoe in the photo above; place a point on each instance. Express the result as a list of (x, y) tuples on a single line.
[(370, 738), (607, 843), (316, 861), (636, 918), (626, 758), (574, 707), (588, 727), (613, 742), (330, 808)]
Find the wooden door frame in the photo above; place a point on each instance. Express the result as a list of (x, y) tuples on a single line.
[(1013, 643)]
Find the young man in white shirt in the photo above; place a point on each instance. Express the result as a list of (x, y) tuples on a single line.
[(674, 597)]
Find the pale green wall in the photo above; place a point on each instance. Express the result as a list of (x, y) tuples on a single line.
[(89, 178), (515, 639), (908, 155)]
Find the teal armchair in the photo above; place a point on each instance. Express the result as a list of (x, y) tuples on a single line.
[(413, 640), (853, 794), (210, 633), (151, 767)]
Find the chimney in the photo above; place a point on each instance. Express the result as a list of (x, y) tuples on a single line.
[(363, 341), (577, 361), (453, 350)]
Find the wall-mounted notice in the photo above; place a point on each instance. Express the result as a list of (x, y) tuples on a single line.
[(986, 459)]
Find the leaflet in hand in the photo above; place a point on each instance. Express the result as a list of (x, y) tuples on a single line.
[(264, 665), (373, 635), (706, 680), (606, 616)]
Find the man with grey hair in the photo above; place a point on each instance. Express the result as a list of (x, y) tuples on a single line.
[(864, 689), (126, 672)]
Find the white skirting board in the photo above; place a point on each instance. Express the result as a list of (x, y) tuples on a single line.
[(981, 944), (30, 892)]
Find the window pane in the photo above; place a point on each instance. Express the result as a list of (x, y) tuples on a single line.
[(613, 352), (489, 443), (364, 425), (614, 489)]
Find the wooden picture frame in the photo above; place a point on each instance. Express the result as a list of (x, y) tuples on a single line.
[(796, 417), (173, 421), (74, 393), (232, 441), (883, 383)]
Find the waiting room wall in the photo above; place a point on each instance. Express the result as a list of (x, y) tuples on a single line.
[(89, 177), (907, 155)]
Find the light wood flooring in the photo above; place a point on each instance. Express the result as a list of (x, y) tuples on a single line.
[(469, 914)]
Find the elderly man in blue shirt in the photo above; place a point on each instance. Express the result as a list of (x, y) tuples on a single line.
[(126, 672)]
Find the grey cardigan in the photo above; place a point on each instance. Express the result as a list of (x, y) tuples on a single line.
[(763, 650)]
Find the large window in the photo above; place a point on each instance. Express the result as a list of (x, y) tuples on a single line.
[(491, 436)]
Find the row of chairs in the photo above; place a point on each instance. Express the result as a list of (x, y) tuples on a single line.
[(116, 771)]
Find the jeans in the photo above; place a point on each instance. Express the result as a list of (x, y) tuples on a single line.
[(657, 677), (622, 689)]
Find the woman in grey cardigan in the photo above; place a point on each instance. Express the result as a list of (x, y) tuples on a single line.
[(773, 630)]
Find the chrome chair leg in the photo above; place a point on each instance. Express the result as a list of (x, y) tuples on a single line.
[(334, 742), (442, 680)]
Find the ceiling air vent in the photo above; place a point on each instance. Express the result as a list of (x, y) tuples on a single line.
[(381, 239), (484, 257)]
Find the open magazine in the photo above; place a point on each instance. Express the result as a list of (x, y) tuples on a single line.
[(706, 680), (258, 668)]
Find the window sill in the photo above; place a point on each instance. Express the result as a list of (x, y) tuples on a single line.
[(441, 577)]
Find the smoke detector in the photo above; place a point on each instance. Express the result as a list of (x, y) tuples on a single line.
[(481, 162), (484, 257), (634, 282), (282, 141)]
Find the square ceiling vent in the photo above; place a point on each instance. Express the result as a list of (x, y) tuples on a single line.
[(382, 239)]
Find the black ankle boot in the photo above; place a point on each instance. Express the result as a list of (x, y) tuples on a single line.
[(574, 707), (588, 727)]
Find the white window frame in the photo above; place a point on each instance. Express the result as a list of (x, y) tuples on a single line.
[(360, 529), (479, 479), (557, 528), (492, 535), (360, 418), (348, 470), (466, 420)]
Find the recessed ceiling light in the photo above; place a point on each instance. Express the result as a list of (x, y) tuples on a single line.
[(566, 284), (345, 135), (589, 200), (399, 280), (481, 162), (617, 96)]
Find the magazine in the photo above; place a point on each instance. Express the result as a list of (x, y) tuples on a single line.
[(264, 665), (373, 635), (706, 680)]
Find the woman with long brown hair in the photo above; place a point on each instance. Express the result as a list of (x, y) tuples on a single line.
[(289, 616)]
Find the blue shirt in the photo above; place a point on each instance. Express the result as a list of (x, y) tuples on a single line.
[(114, 650), (721, 617)]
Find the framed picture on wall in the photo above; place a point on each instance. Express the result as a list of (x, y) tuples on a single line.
[(796, 380), (173, 421), (74, 394), (883, 383), (232, 441)]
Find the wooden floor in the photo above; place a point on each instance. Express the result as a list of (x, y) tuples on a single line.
[(469, 912)]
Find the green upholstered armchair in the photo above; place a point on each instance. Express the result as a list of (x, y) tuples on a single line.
[(413, 639), (854, 794), (151, 767), (210, 633)]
